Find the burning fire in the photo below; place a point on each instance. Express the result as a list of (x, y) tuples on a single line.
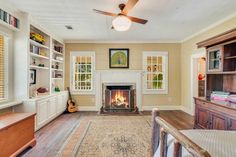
[(119, 98)]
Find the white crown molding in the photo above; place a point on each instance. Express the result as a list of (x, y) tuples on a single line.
[(120, 42), (210, 27)]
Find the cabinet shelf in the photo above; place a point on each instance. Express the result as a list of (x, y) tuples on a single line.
[(57, 69), (230, 57), (38, 56), (54, 60), (54, 78), (56, 52), (38, 67), (38, 44)]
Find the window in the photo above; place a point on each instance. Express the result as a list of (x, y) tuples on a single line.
[(3, 67), (82, 71), (155, 66)]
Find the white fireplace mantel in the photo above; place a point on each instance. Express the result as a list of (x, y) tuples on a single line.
[(118, 77)]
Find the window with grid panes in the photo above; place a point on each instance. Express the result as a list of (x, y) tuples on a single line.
[(83, 69), (155, 65)]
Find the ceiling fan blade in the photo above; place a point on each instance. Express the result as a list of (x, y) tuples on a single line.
[(137, 20), (128, 6), (104, 12)]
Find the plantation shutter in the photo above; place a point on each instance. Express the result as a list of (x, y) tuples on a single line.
[(2, 60)]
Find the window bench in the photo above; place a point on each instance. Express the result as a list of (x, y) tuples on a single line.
[(16, 133)]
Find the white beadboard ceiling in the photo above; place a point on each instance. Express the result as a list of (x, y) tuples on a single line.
[(169, 20)]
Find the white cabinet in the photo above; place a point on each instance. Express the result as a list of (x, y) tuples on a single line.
[(52, 107), (47, 108), (42, 112)]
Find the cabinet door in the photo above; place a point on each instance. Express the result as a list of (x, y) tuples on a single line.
[(218, 122), (202, 118), (232, 124), (214, 59), (59, 103), (42, 113), (52, 110)]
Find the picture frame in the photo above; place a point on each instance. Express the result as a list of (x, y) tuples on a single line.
[(119, 58), (32, 76)]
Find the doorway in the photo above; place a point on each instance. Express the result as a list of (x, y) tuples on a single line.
[(198, 76)]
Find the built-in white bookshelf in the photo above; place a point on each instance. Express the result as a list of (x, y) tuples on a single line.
[(57, 65), (46, 63)]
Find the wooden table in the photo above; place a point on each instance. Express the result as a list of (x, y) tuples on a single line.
[(16, 133)]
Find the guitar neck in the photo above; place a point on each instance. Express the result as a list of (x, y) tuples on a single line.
[(70, 97)]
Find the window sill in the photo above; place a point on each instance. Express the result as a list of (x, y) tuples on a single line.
[(10, 104)]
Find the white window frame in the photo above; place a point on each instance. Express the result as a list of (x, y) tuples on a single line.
[(7, 70), (164, 54), (82, 53)]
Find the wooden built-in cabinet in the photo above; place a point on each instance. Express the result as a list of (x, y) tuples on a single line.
[(220, 76), (210, 115)]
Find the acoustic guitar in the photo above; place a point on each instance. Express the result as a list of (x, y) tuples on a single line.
[(71, 107)]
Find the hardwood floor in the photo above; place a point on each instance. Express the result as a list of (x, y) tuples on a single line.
[(52, 136)]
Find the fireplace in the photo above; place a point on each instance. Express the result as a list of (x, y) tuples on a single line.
[(119, 98)]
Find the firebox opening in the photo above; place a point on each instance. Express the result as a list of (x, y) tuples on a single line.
[(119, 98)]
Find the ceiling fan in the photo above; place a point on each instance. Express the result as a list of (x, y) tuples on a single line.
[(122, 21)]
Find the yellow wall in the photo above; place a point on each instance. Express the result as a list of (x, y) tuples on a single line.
[(102, 63), (188, 48)]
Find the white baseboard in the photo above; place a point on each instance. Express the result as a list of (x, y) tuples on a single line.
[(162, 107), (87, 108), (187, 110)]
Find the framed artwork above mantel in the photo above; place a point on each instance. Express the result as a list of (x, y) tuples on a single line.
[(119, 58)]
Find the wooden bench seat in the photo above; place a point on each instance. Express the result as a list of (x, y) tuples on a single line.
[(16, 133)]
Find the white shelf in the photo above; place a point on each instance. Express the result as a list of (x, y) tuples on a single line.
[(57, 69), (58, 53), (38, 44), (9, 26), (38, 56), (57, 78), (54, 60), (38, 67)]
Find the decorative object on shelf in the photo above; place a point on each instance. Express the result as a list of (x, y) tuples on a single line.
[(37, 37), (58, 75), (56, 65), (58, 48), (119, 58), (32, 76), (41, 65), (10, 19), (42, 90), (201, 77), (34, 61), (57, 89), (42, 53), (34, 49)]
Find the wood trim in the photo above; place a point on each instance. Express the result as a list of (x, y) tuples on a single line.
[(31, 143), (223, 37)]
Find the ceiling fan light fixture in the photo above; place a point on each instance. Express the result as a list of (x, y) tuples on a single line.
[(121, 23)]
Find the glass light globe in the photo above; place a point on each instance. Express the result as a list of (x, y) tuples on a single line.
[(121, 23)]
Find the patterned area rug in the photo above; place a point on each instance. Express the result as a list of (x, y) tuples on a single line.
[(109, 136)]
